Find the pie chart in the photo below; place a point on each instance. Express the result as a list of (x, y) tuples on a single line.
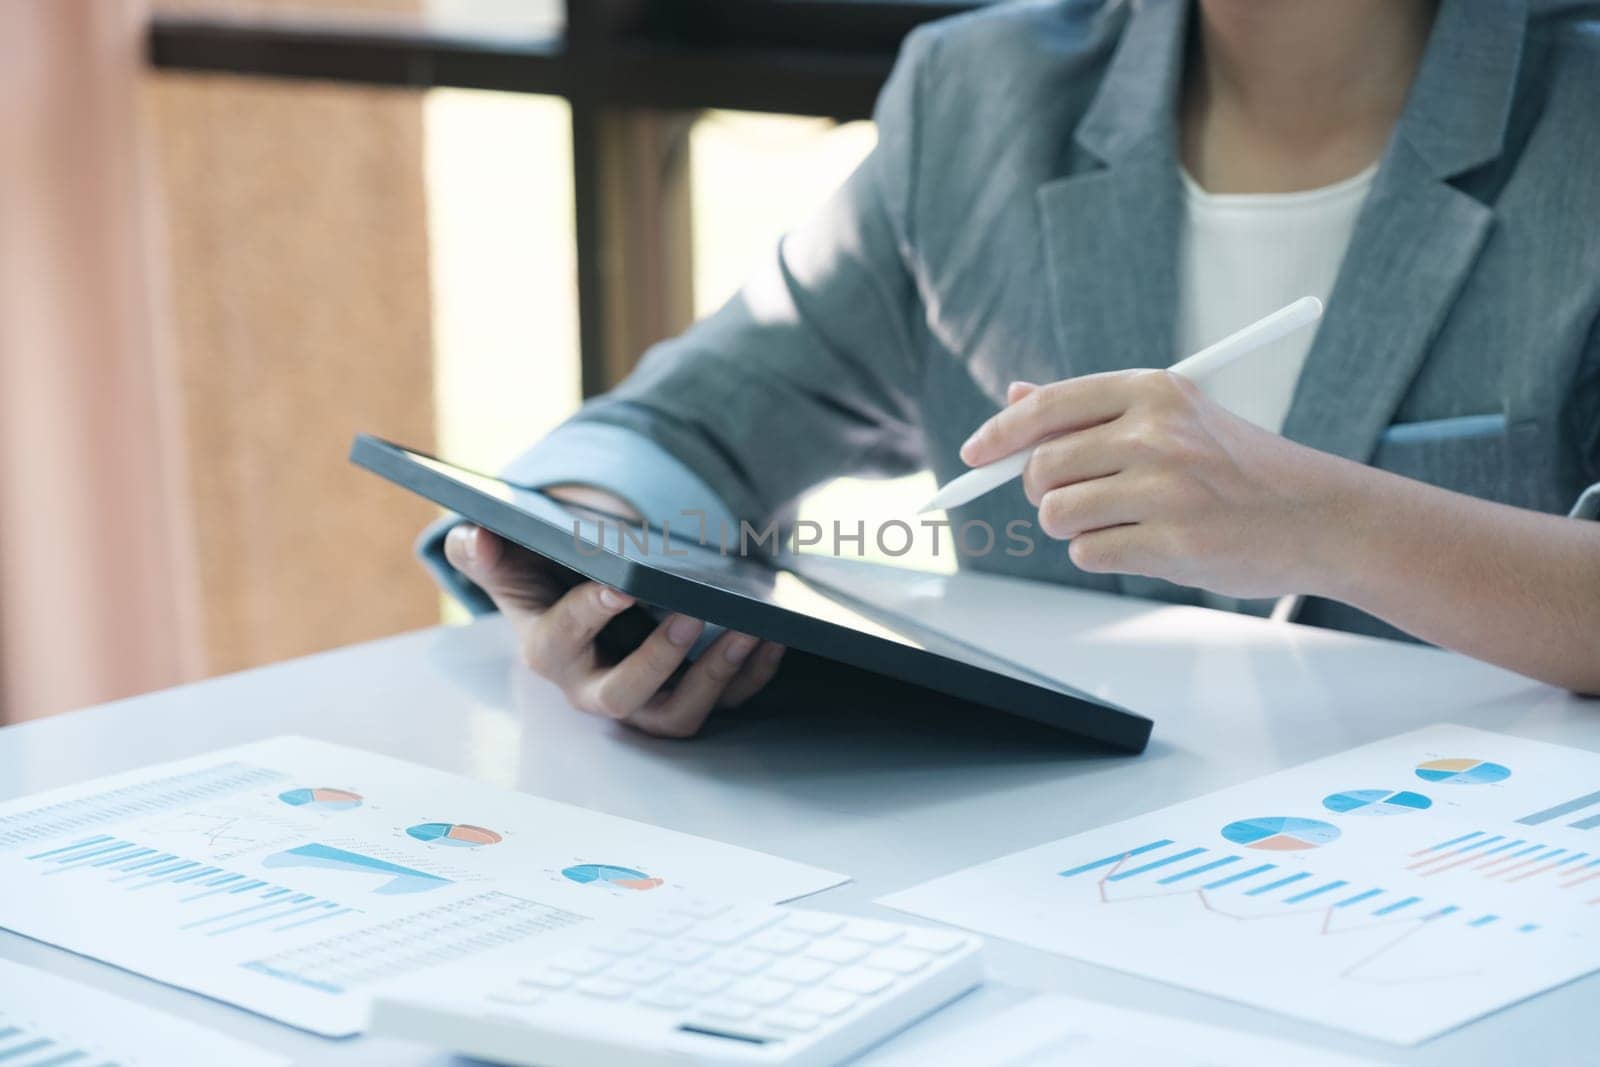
[(602, 874), (1463, 771), (458, 834), (326, 798), (1376, 802), (1280, 833)]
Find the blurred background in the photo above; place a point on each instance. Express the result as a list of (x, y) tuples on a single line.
[(233, 233)]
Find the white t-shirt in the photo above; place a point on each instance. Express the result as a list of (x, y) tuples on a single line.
[(1244, 255)]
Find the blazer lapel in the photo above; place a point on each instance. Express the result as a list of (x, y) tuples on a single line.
[(1111, 228), (1418, 235), (1414, 244)]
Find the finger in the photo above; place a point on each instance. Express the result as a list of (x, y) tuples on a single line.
[(754, 675), (1074, 510), (559, 643), (682, 712), (1017, 390), (1075, 457), (516, 580), (1116, 550), (1057, 408), (634, 681)]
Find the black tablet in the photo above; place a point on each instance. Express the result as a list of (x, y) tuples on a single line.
[(728, 581)]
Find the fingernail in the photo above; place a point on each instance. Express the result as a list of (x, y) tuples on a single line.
[(466, 544), (682, 630), (613, 600), (772, 654), (739, 648), (970, 443)]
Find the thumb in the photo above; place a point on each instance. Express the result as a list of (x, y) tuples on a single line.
[(1017, 390), (514, 585)]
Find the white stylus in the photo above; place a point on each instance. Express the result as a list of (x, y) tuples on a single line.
[(1303, 312)]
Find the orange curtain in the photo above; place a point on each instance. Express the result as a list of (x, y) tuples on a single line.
[(98, 596)]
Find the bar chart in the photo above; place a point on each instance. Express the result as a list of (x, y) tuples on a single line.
[(1510, 859), (1219, 881), (207, 900)]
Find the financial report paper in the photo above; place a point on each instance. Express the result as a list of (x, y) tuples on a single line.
[(1397, 890), (293, 877), (49, 1021)]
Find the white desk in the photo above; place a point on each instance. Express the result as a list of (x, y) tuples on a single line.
[(1232, 698)]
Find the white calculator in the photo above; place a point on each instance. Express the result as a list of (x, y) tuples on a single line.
[(699, 983)]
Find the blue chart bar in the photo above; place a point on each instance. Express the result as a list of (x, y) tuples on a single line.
[(1390, 909), (1358, 898), (1270, 886), (1527, 928), (1576, 804), (1586, 824), (1220, 882), (1454, 841), (28, 1048), (1442, 912), (1117, 858), (1524, 852), (1502, 848), (1192, 871), (1484, 921), (1174, 858), (76, 845), (1317, 892)]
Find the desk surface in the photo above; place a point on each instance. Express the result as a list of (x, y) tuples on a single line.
[(1232, 697)]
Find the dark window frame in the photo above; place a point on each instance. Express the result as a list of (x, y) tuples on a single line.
[(631, 71)]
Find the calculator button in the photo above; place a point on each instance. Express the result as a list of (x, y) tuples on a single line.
[(663, 925), (581, 963), (546, 979), (828, 1002), (731, 929), (935, 941), (898, 960), (740, 961), (702, 909), (800, 972), (795, 1022), (861, 980), (666, 999), (873, 933), (778, 942), (639, 972), (626, 945), (702, 983), (605, 989), (681, 953), (731, 1010), (814, 923), (837, 951), (760, 991)]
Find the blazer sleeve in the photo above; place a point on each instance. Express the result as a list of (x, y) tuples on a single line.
[(1585, 415), (812, 370)]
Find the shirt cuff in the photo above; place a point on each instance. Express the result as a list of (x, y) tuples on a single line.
[(1588, 505), (620, 461)]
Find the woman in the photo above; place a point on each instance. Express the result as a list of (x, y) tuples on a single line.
[(1064, 192)]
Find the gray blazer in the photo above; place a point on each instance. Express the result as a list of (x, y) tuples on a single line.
[(1019, 220)]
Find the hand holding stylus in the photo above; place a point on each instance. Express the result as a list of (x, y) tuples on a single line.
[(1146, 475)]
